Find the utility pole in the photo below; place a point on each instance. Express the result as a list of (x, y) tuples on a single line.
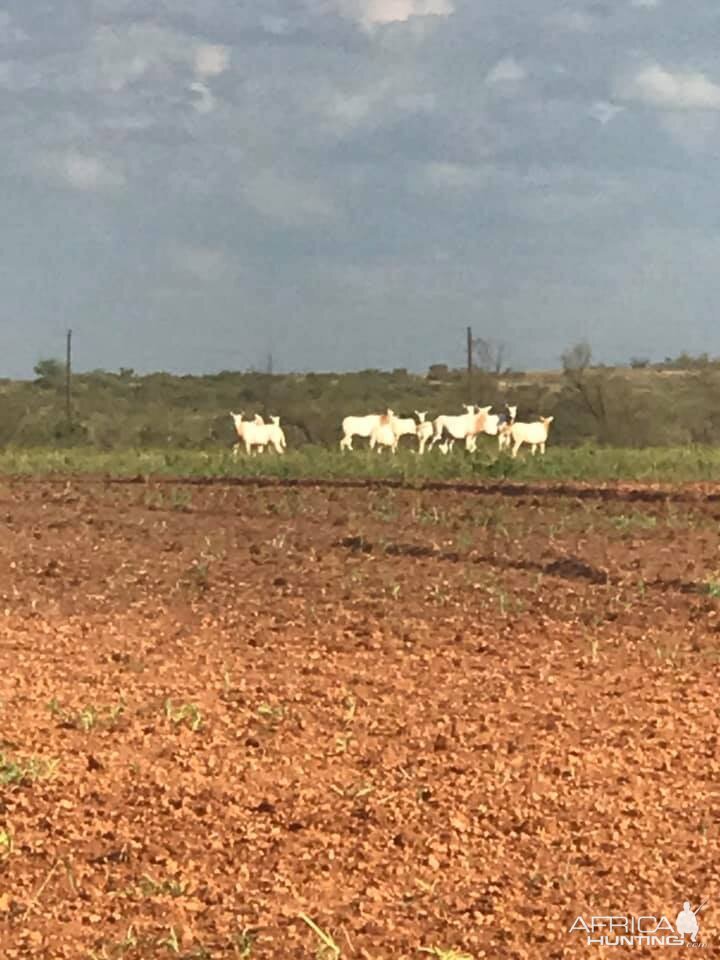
[(470, 365), (68, 371)]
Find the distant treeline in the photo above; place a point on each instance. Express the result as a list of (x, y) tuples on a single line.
[(674, 403)]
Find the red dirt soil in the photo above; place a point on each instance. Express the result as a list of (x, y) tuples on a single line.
[(426, 719)]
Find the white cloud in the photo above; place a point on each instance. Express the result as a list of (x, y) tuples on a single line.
[(506, 71), (646, 4), (372, 13), (204, 102), (672, 90), (211, 60), (80, 171), (604, 112), (287, 200)]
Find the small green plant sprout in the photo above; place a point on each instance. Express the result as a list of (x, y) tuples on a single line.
[(712, 588), (30, 770), (350, 704), (271, 715), (88, 718), (6, 842), (441, 954), (327, 949), (180, 499), (185, 713), (170, 941), (55, 708), (635, 520), (154, 500), (149, 887), (242, 943), (118, 949), (198, 575), (464, 540)]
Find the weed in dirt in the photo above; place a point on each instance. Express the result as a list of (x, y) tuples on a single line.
[(148, 887), (271, 716), (279, 540), (197, 575), (118, 949), (154, 500), (488, 517), (187, 713), (439, 954), (350, 704), (29, 770), (635, 520), (438, 593), (508, 603), (326, 949), (88, 717), (383, 506), (430, 516), (180, 499), (7, 843), (667, 651), (712, 588), (464, 540), (170, 941), (242, 943)]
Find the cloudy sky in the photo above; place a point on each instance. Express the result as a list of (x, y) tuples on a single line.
[(190, 184)]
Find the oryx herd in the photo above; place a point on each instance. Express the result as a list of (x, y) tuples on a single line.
[(385, 430)]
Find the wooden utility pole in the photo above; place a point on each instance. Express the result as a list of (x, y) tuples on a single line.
[(470, 364), (68, 372)]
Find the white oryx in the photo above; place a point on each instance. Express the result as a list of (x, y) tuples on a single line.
[(497, 425), (463, 427), (384, 433), (277, 435), (404, 427), (360, 427), (535, 434), (424, 430), (255, 433), (456, 426)]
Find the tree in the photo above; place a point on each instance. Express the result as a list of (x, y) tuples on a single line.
[(489, 354), (590, 387), (49, 373)]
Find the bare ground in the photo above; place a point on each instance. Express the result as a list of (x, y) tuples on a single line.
[(420, 718)]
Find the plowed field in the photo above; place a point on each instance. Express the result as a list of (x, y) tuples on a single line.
[(419, 719)]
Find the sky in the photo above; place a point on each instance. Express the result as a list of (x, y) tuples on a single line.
[(191, 185)]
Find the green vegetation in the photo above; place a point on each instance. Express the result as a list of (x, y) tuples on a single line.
[(187, 713), (88, 717), (25, 771), (643, 422), (587, 463), (640, 405)]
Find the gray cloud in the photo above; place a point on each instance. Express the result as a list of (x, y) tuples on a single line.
[(351, 182)]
